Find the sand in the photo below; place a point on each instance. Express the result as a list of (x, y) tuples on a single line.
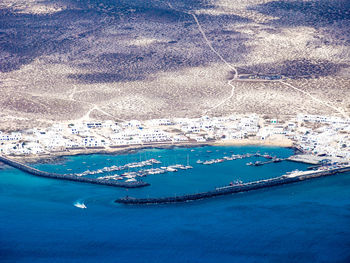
[(280, 142)]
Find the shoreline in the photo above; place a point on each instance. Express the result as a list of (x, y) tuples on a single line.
[(286, 143), (56, 156)]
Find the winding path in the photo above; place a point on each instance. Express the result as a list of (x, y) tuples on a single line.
[(211, 46), (226, 99), (340, 111), (86, 117), (236, 75), (71, 95), (231, 67)]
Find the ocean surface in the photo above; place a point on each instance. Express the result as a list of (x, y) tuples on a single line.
[(304, 222)]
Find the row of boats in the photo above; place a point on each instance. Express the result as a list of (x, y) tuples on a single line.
[(114, 168), (131, 176), (225, 158), (232, 157), (271, 159), (260, 163)]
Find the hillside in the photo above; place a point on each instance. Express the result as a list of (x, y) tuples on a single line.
[(89, 59)]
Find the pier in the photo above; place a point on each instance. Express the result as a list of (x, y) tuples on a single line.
[(259, 163), (237, 188), (70, 177)]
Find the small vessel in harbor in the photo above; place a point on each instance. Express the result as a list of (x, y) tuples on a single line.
[(80, 205), (277, 160), (267, 156), (258, 163), (131, 180), (180, 166), (110, 177), (171, 169), (236, 182)]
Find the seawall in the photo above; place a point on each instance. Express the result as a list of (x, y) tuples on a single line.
[(230, 189), (70, 177)]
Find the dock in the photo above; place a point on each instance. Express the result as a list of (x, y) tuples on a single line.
[(237, 188), (259, 163), (308, 159), (70, 177)]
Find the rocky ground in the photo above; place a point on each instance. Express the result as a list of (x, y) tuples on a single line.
[(85, 59)]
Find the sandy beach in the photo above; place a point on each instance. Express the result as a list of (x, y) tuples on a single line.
[(277, 142)]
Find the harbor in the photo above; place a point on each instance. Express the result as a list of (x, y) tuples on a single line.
[(92, 211), (71, 177), (288, 178), (127, 171)]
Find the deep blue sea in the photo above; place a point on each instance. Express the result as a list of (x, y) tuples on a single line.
[(304, 222)]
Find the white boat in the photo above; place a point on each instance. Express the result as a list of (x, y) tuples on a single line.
[(154, 161), (171, 169), (80, 205), (131, 180)]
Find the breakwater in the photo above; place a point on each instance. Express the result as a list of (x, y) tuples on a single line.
[(70, 177), (231, 189)]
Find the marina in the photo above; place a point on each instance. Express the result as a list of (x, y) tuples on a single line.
[(292, 177), (128, 179), (71, 177), (239, 157), (175, 131), (35, 202), (113, 168), (271, 159), (129, 172), (131, 175)]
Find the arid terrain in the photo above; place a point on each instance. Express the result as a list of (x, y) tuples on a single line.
[(122, 59)]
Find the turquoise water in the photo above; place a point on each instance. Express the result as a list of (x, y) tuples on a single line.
[(305, 222)]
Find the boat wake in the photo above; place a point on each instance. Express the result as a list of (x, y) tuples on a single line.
[(80, 205)]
